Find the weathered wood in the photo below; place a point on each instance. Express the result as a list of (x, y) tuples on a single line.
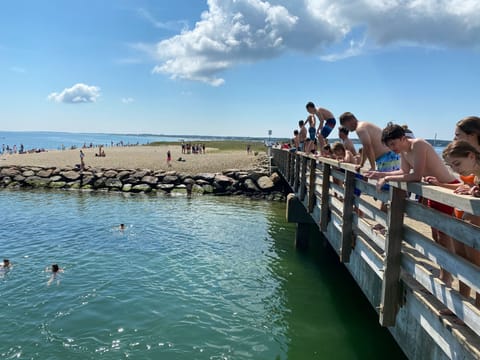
[(370, 189), (446, 295), (325, 194), (296, 181), (287, 166), (458, 229), (393, 244), (338, 175), (464, 270), (371, 211), (311, 185), (303, 178), (347, 229), (292, 168)]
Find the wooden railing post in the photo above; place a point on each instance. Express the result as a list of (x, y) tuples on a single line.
[(311, 185), (303, 178), (347, 217), (287, 171), (393, 244), (296, 180), (292, 168), (325, 193)]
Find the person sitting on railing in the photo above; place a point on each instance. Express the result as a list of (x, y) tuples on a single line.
[(418, 160), (464, 158)]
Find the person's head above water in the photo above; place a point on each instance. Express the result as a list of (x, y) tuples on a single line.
[(122, 226), (6, 263), (55, 268)]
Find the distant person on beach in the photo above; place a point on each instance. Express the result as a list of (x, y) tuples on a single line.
[(169, 158), (249, 150), (380, 157), (346, 141), (82, 162), (326, 122), (55, 270)]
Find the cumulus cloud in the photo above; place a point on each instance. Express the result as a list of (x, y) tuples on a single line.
[(233, 32), (180, 25), (77, 94)]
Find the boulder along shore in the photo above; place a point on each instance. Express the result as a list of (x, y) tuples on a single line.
[(255, 182)]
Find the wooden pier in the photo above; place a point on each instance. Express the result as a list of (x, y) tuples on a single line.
[(397, 269)]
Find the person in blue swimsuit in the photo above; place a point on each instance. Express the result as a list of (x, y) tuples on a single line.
[(326, 122)]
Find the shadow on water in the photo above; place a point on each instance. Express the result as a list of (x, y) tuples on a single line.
[(328, 317)]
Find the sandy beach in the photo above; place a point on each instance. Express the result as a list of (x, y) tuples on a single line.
[(138, 157)]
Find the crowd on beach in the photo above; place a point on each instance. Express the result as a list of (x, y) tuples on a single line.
[(7, 150), (395, 154)]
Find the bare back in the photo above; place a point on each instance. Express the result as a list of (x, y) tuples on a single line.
[(422, 155), (371, 135), (326, 114)]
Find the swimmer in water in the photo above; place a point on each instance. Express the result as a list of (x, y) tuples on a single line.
[(6, 264), (55, 269), (122, 227)]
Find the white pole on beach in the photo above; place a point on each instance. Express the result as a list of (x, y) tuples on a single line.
[(269, 153)]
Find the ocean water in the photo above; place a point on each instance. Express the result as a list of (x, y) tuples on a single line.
[(202, 278)]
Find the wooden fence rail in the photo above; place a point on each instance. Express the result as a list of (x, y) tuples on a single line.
[(397, 246)]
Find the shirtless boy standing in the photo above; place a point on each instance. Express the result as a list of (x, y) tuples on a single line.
[(326, 119), (302, 135), (379, 156)]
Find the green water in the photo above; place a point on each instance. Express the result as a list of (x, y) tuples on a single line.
[(202, 278)]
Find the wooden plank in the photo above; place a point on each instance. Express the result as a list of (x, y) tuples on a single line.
[(303, 177), (292, 168), (360, 225), (370, 211), (296, 181), (393, 245), (338, 174), (369, 255), (370, 189), (454, 264), (458, 229), (287, 166), (325, 195), (337, 189), (347, 229), (446, 295), (311, 185)]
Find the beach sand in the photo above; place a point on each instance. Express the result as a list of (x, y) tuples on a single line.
[(138, 157)]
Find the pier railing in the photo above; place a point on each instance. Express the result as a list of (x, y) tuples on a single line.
[(396, 245)]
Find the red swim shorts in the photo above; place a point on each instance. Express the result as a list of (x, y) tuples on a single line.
[(446, 209)]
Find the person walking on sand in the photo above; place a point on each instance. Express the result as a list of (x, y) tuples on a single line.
[(82, 162), (169, 158)]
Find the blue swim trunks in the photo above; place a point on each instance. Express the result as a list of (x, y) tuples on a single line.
[(388, 162), (328, 127), (311, 132)]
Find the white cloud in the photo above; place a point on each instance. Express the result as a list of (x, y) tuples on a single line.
[(233, 32), (128, 100), (77, 94), (180, 25)]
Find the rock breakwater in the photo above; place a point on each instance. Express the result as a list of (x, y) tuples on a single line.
[(254, 182)]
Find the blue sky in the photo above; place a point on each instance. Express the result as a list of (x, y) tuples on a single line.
[(236, 67)]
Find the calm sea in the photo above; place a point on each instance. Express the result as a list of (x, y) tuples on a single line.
[(202, 278)]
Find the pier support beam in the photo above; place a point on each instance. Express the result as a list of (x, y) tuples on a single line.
[(297, 213)]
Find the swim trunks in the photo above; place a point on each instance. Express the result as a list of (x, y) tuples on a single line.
[(311, 132), (301, 146), (388, 162), (469, 180), (446, 209), (328, 127)]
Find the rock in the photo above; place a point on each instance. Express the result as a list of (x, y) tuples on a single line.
[(255, 175), (197, 189), (28, 173), (165, 187), (87, 180), (208, 189), (140, 174), (141, 188), (57, 184), (113, 183), (70, 175), (110, 174), (171, 173), (249, 185), (205, 176), (275, 178), (150, 180), (132, 180), (6, 180), (223, 180), (265, 183), (179, 191), (10, 172), (123, 174), (127, 187), (37, 181), (86, 187), (56, 178), (99, 183), (19, 178), (74, 185), (45, 173), (189, 181), (170, 179), (202, 182)]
